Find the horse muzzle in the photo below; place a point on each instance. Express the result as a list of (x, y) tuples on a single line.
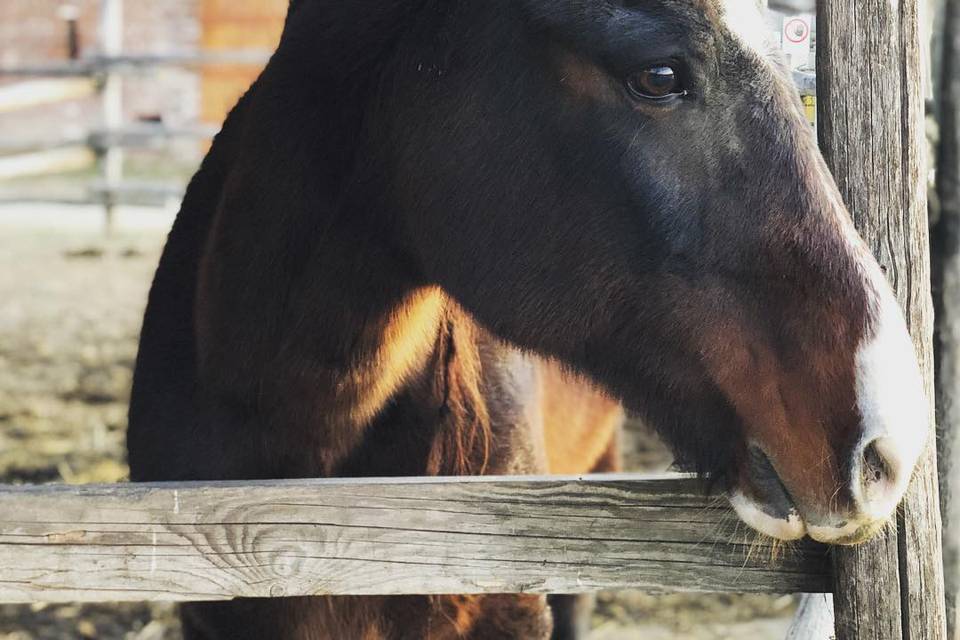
[(855, 493), (879, 478)]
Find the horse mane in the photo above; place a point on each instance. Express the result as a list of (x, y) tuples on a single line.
[(463, 439)]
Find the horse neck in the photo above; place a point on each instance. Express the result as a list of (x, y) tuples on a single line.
[(307, 315)]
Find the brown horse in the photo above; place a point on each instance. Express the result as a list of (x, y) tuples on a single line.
[(429, 220)]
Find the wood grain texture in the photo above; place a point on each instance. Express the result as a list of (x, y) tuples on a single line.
[(947, 276), (363, 537), (872, 133), (814, 619)]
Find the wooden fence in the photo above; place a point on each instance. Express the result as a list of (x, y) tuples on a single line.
[(212, 541), (222, 540)]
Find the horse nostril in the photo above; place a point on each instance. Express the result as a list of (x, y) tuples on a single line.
[(875, 466), (884, 476)]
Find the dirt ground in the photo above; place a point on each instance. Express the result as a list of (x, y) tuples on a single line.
[(70, 310)]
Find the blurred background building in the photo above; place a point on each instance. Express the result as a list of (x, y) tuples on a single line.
[(112, 101)]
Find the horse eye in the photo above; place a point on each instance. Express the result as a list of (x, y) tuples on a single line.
[(657, 82)]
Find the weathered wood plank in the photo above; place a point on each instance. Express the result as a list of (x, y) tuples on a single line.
[(946, 237), (363, 537), (41, 162), (814, 619), (35, 93), (871, 117)]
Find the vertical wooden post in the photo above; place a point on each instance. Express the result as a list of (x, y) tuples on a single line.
[(814, 619), (111, 158), (947, 271), (70, 16), (872, 131)]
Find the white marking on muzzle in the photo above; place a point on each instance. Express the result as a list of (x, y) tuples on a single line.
[(892, 404), (789, 528), (890, 392), (827, 534)]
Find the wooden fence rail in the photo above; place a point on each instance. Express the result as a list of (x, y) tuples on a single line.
[(35, 93), (133, 63), (212, 541)]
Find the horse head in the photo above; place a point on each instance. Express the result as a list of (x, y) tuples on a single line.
[(631, 187)]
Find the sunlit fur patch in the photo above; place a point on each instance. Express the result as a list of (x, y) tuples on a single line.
[(790, 528), (407, 338)]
